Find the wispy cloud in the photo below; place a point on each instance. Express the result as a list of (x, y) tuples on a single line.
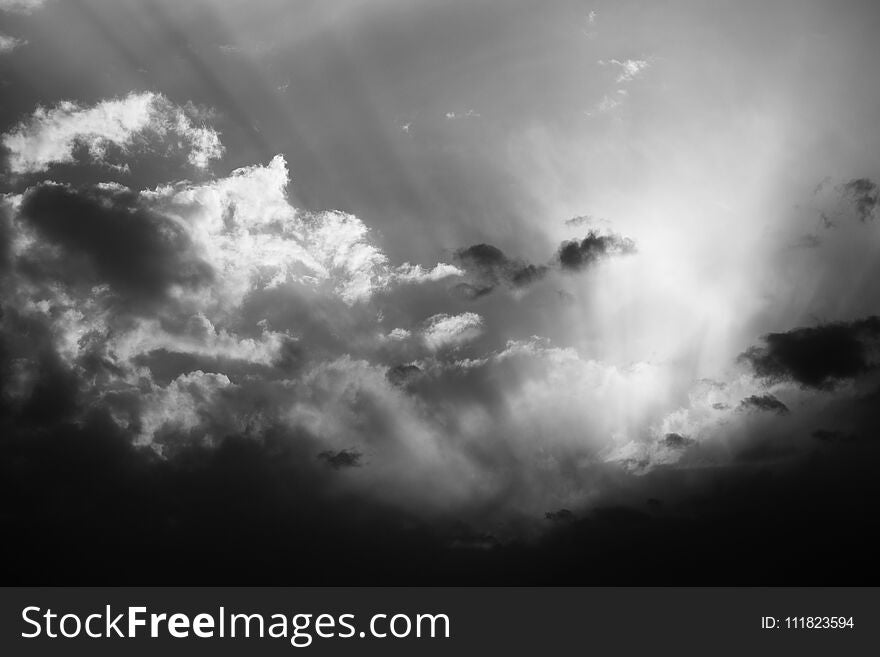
[(10, 43), (21, 6), (629, 68), (469, 114)]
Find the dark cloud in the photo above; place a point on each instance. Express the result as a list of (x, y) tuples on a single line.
[(5, 240), (36, 389), (562, 515), (677, 441), (344, 458), (400, 375), (865, 195), (766, 402), (489, 267), (137, 251), (578, 254), (817, 357), (834, 436)]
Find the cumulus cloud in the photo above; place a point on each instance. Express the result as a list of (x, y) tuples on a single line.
[(578, 254), (488, 267), (409, 273), (146, 121), (820, 356), (451, 330), (250, 234)]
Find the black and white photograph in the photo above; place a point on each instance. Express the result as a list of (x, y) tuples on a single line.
[(440, 293)]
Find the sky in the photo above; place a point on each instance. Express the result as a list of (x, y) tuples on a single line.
[(419, 291)]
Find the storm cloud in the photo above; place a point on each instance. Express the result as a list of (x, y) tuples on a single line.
[(819, 356), (765, 402), (575, 255), (138, 251), (490, 267)]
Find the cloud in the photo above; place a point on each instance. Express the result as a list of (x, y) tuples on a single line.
[(21, 6), (138, 251), (451, 330), (488, 267), (584, 220), (400, 375), (180, 407), (139, 121), (469, 114), (254, 238), (865, 194), (817, 357), (676, 441), (629, 68), (834, 436), (562, 515), (10, 43), (765, 402), (409, 273), (578, 254), (344, 458)]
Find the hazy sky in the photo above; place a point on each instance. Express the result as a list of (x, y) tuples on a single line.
[(465, 262)]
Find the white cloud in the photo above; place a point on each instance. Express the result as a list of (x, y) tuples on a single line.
[(246, 229), (629, 68), (9, 43), (181, 404), (21, 6), (51, 135), (451, 330), (408, 273), (199, 337), (398, 334)]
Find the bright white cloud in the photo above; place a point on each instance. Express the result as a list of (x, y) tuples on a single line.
[(52, 135), (246, 229), (408, 273), (451, 330)]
